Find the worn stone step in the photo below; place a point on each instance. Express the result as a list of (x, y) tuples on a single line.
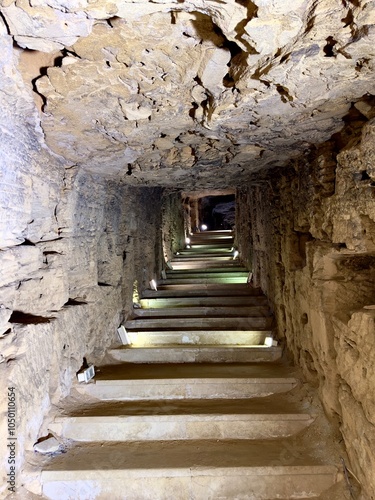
[(219, 238), (205, 275), (199, 312), (190, 470), (226, 260), (196, 252), (188, 381), (183, 427), (199, 264), (201, 258), (199, 301), (198, 337), (207, 238), (200, 246), (217, 290), (197, 354), (205, 323), (209, 234), (214, 231), (203, 281), (211, 271)]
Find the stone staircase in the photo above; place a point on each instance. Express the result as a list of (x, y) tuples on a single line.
[(198, 407)]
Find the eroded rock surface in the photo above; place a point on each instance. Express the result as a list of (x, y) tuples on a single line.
[(170, 93), (312, 245)]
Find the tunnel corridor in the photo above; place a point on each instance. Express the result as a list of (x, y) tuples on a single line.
[(127, 128), (196, 401)]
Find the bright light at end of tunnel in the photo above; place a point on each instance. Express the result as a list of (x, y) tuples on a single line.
[(203, 227)]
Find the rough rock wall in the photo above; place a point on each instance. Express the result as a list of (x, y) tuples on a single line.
[(173, 224), (193, 93), (313, 234), (71, 246)]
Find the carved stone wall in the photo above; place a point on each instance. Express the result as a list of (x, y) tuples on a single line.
[(309, 234)]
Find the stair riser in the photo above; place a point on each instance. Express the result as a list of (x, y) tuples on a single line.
[(209, 273), (199, 254), (192, 484), (139, 339), (197, 355), (257, 323), (195, 389), (203, 281), (184, 302), (231, 291), (177, 427), (205, 265), (200, 312), (201, 258)]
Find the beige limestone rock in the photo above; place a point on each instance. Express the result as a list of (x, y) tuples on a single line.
[(44, 28), (273, 76), (17, 262), (49, 445), (5, 314)]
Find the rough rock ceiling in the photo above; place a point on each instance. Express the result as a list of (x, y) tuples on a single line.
[(197, 93)]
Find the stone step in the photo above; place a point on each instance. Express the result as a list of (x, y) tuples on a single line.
[(229, 288), (208, 234), (201, 258), (203, 281), (183, 427), (200, 312), (188, 381), (199, 301), (211, 245), (211, 290), (192, 252), (198, 337), (209, 273), (190, 470), (214, 231), (201, 272), (207, 238), (229, 264), (205, 323), (197, 354)]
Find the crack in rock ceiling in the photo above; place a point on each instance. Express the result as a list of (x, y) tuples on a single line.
[(195, 93)]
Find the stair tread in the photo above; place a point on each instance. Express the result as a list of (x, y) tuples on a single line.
[(187, 353), (202, 311), (211, 271), (198, 346), (182, 456), (234, 324), (204, 291), (267, 406), (262, 371)]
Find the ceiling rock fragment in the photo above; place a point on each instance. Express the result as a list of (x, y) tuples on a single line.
[(197, 92)]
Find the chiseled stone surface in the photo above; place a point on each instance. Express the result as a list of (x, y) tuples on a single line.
[(71, 246), (172, 92), (186, 94), (314, 257)]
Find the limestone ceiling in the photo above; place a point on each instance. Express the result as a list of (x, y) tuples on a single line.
[(197, 93)]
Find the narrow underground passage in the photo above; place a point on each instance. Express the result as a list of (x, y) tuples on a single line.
[(201, 377), (120, 124)]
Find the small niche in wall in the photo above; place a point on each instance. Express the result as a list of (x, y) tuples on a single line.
[(297, 249), (74, 302), (28, 319)]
